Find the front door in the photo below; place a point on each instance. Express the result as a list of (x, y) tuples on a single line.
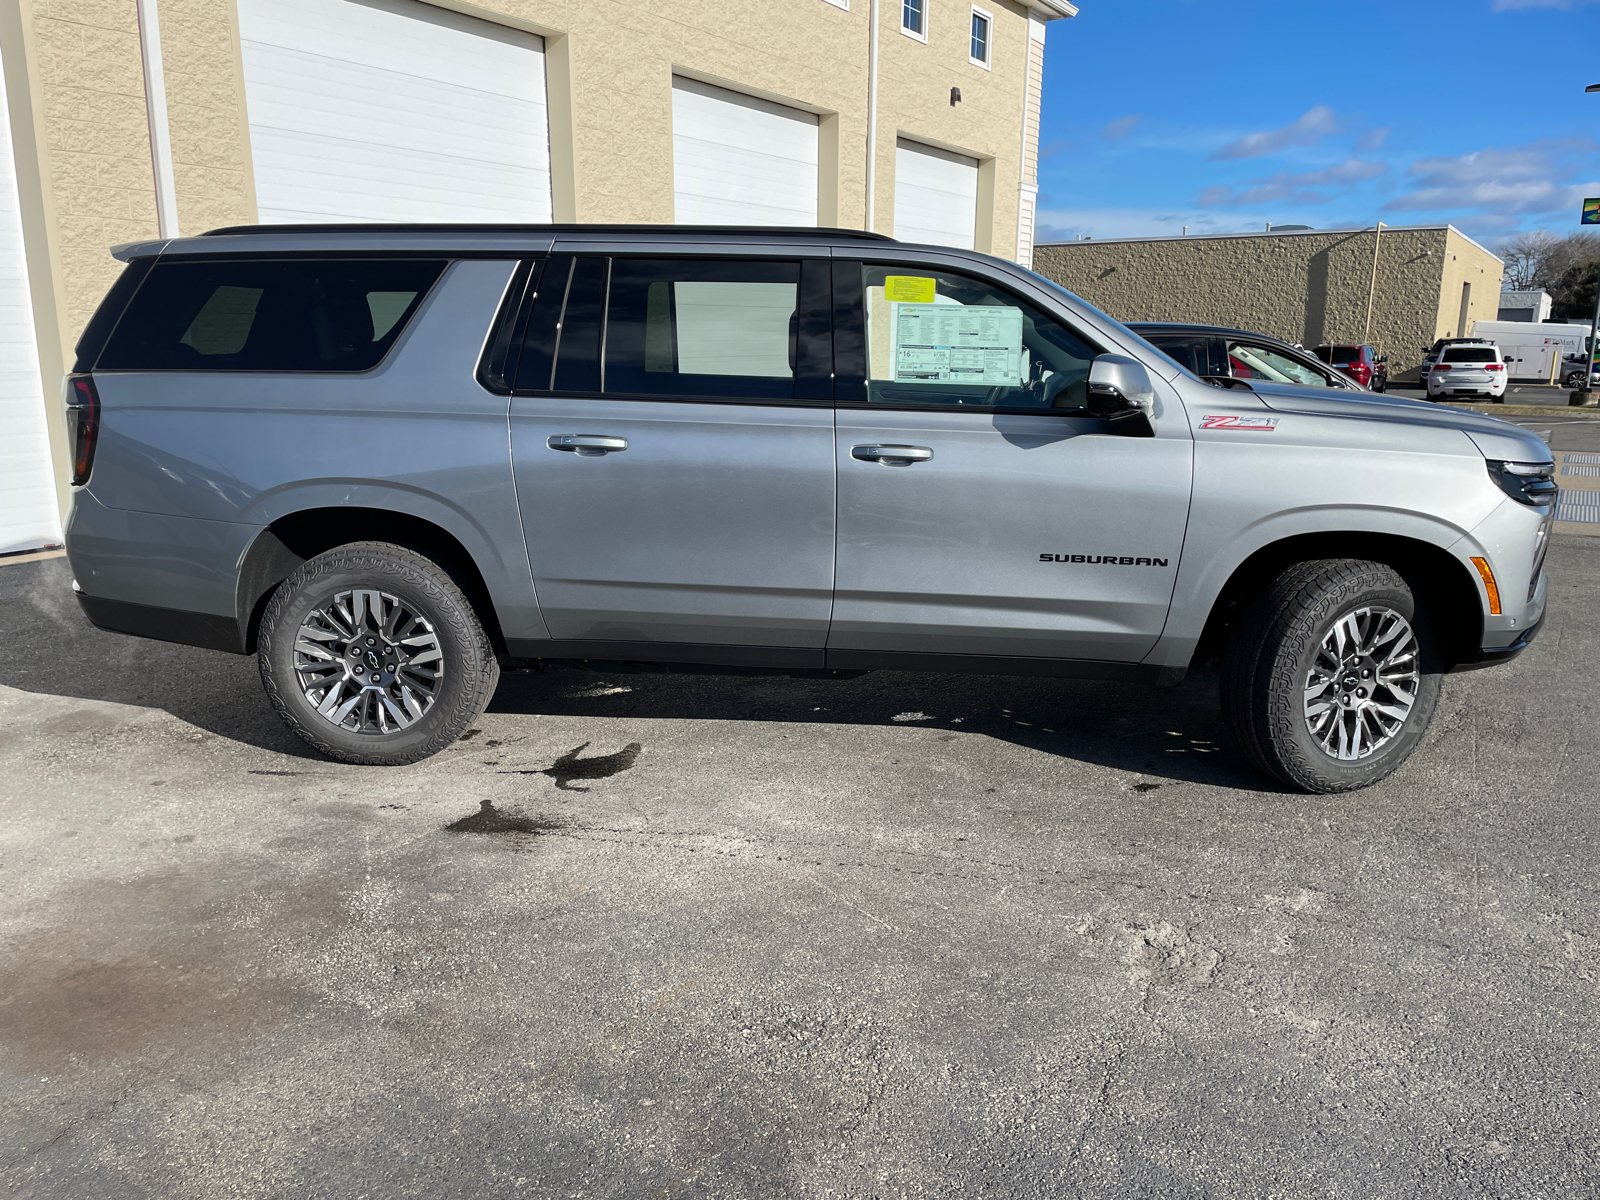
[(676, 485), (982, 511)]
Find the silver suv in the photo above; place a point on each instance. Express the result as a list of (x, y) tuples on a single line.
[(391, 460)]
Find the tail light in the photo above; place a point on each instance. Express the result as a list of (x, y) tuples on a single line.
[(83, 425), (1441, 366), (1494, 366)]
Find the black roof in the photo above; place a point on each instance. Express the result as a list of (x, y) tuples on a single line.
[(1143, 327), (570, 227)]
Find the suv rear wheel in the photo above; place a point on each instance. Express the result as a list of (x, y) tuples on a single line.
[(1330, 678), (372, 654)]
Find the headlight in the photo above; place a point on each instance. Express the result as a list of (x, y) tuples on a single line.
[(1528, 483)]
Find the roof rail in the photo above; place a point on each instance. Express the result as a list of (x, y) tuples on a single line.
[(424, 227)]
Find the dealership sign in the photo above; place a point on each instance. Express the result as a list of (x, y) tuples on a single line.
[(1591, 212)]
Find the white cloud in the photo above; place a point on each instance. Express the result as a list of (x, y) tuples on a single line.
[(1121, 127), (1314, 125), (1533, 178), (1560, 5), (1274, 189), (1371, 140), (1066, 224)]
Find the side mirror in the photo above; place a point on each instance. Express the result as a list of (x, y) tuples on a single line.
[(1384, 359), (1119, 390)]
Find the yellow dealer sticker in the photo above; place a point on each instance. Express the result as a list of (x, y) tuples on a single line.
[(908, 289)]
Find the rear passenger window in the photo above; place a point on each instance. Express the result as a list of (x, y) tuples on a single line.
[(268, 315), (684, 328), (679, 328)]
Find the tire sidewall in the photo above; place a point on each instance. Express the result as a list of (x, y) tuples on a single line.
[(1303, 760), (313, 586)]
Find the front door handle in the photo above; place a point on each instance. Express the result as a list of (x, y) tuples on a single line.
[(892, 456), (586, 445)]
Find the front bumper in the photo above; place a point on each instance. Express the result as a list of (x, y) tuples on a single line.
[(1493, 656)]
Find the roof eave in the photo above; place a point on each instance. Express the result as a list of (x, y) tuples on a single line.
[(1052, 10)]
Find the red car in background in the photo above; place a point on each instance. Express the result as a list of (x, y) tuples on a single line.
[(1361, 363)]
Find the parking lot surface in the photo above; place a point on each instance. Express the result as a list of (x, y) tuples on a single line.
[(665, 936)]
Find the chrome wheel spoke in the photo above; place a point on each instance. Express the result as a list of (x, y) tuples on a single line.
[(1362, 683), (368, 662)]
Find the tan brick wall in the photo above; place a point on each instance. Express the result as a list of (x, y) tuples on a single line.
[(1466, 262), (102, 187), (1302, 287)]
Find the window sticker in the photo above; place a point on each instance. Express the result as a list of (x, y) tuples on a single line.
[(909, 289), (980, 345)]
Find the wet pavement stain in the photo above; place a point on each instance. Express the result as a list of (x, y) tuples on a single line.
[(569, 766), (489, 819), (1145, 787)]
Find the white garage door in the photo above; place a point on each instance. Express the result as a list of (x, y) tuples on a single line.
[(386, 110), (935, 195), (28, 516), (737, 160)]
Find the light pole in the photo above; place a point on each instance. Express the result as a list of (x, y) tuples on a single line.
[(1594, 322)]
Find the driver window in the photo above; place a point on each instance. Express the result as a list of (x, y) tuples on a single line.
[(938, 338), (1246, 361)]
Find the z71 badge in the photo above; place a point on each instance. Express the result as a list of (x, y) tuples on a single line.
[(1247, 424)]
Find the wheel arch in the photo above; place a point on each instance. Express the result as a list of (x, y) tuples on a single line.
[(292, 539), (1439, 580)]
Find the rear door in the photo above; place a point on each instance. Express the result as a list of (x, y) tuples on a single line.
[(982, 511), (673, 451)]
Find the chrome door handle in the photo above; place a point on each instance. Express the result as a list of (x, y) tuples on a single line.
[(586, 445), (892, 456)]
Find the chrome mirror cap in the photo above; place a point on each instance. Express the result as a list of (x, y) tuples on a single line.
[(1127, 377)]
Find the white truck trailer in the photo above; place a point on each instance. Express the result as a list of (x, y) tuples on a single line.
[(1535, 350)]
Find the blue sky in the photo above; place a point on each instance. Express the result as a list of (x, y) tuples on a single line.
[(1223, 115)]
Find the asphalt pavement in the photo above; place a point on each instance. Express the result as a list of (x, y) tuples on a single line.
[(667, 936)]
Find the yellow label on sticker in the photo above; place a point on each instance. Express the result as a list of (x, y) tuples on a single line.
[(908, 289)]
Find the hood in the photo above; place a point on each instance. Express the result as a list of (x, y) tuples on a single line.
[(1493, 437)]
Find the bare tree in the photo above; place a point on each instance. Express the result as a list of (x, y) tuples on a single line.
[(1525, 257), (1564, 266)]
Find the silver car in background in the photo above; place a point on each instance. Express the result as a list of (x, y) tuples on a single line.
[(391, 460)]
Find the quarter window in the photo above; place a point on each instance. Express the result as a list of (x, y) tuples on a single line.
[(982, 23), (940, 339), (914, 18), (268, 315)]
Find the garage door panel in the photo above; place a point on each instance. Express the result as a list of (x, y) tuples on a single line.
[(935, 196), (739, 160), (393, 111), (28, 514)]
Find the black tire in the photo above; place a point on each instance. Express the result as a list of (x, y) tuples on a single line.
[(1269, 662), (422, 596)]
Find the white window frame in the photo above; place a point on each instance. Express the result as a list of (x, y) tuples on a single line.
[(912, 34), (988, 41)]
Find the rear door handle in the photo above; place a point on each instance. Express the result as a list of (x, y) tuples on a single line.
[(586, 445), (893, 456)]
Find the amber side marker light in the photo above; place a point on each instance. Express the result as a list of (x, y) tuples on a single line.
[(1488, 584)]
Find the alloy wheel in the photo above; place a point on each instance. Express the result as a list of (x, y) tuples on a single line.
[(368, 662), (1362, 683)]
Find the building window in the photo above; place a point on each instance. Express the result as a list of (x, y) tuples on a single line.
[(914, 19), (982, 23)]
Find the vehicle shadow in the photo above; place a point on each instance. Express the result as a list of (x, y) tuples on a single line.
[(1175, 734)]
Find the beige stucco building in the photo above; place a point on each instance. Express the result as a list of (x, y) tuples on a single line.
[(1398, 289), (130, 119)]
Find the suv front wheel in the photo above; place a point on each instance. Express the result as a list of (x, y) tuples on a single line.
[(372, 654), (1330, 677)]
